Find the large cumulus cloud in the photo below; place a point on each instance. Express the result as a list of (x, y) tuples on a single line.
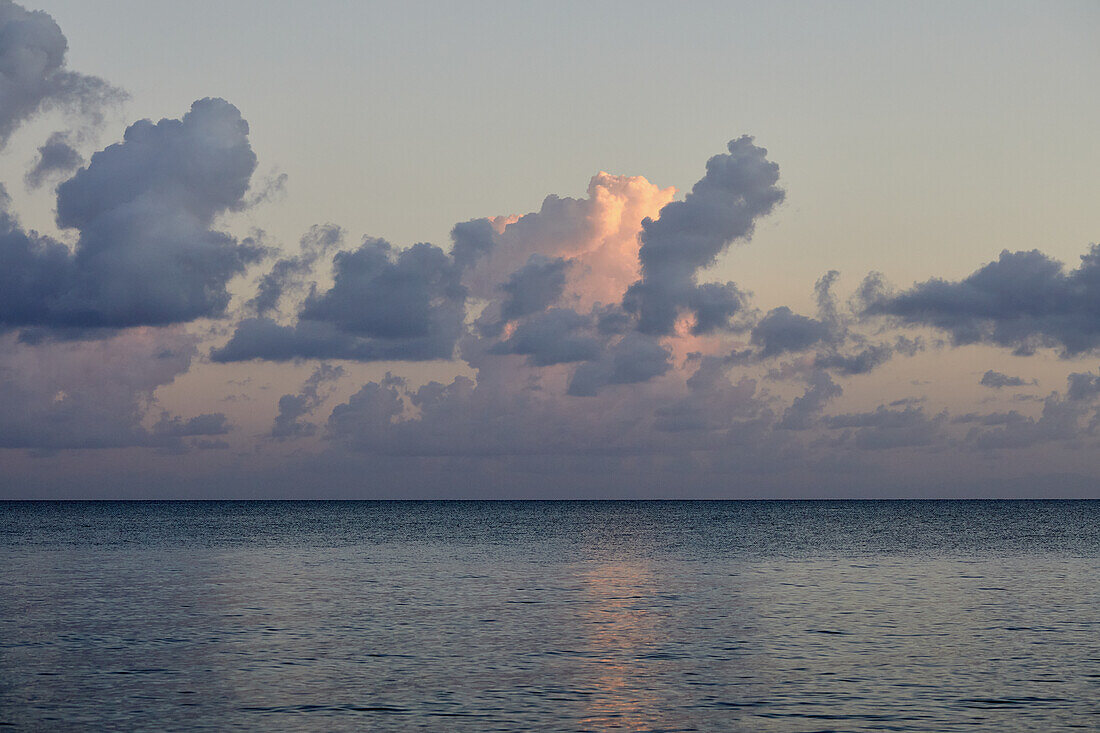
[(144, 209)]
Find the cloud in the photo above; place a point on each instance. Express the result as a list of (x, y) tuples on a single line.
[(529, 418), (557, 336), (384, 304), (471, 240), (213, 423), (293, 407), (33, 77), (997, 380), (804, 411), (992, 418), (56, 158), (1023, 301), (712, 401), (687, 236), (597, 234), (95, 394), (883, 428), (1082, 386), (534, 287), (571, 256), (290, 272), (861, 362), (781, 331), (146, 252), (834, 335), (1059, 421), (633, 359)]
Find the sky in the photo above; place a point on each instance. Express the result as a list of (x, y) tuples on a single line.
[(567, 250)]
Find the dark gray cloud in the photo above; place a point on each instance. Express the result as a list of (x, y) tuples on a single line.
[(56, 158), (997, 380), (635, 358), (33, 269), (33, 77), (534, 287), (144, 208), (293, 407), (557, 336), (782, 331), (738, 188), (383, 305), (1023, 301)]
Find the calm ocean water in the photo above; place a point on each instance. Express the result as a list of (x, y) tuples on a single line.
[(551, 616)]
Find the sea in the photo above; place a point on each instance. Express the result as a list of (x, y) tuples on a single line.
[(550, 616)]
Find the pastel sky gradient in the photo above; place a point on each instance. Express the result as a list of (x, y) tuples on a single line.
[(389, 250)]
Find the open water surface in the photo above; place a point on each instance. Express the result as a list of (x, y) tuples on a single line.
[(551, 616)]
